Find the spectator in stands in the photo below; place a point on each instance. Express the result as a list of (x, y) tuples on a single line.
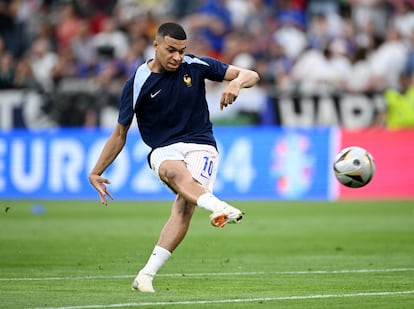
[(215, 27), (11, 28), (110, 38), (96, 12), (310, 72), (339, 64), (6, 70), (235, 43), (138, 28), (126, 11), (374, 12), (403, 18), (42, 61), (15, 73), (260, 25), (42, 25), (360, 79), (292, 37), (68, 23), (68, 66), (82, 47), (135, 56), (23, 77), (388, 61), (182, 8), (291, 12), (400, 104), (213, 21), (409, 64), (199, 45), (318, 32), (326, 12), (321, 7), (276, 68), (109, 73)]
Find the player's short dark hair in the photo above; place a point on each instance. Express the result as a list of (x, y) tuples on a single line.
[(173, 30)]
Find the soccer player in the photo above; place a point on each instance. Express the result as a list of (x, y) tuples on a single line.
[(167, 96)]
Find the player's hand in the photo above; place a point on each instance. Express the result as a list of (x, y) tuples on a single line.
[(229, 94), (98, 183)]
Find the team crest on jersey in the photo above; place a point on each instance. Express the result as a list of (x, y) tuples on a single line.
[(187, 80)]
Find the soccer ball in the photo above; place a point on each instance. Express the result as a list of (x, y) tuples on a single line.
[(354, 167)]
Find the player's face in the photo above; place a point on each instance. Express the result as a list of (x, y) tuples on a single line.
[(169, 53)]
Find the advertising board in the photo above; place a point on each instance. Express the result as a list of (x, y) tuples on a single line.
[(256, 163)]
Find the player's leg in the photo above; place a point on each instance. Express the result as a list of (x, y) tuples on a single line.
[(190, 170), (202, 162), (170, 165), (175, 174), (177, 225), (170, 237), (190, 173), (187, 180)]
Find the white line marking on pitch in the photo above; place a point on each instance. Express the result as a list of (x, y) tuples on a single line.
[(305, 272), (237, 300)]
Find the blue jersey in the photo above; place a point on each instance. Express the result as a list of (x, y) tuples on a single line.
[(171, 107)]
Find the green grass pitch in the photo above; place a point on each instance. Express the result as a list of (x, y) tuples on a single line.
[(75, 254)]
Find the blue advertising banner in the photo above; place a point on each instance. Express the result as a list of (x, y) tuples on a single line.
[(256, 163)]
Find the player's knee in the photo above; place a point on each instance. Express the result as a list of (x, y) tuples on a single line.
[(169, 174)]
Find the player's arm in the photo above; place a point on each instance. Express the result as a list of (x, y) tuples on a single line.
[(112, 148), (238, 78)]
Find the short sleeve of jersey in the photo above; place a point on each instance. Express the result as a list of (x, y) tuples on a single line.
[(217, 69), (126, 104)]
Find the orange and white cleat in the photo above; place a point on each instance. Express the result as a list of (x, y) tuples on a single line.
[(225, 214)]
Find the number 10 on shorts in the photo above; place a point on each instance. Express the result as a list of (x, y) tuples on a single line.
[(207, 167)]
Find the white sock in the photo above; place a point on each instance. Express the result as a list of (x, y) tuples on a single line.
[(208, 201), (158, 257)]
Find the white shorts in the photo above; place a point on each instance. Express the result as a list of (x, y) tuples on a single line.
[(201, 160)]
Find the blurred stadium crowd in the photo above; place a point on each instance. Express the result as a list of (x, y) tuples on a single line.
[(78, 53)]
